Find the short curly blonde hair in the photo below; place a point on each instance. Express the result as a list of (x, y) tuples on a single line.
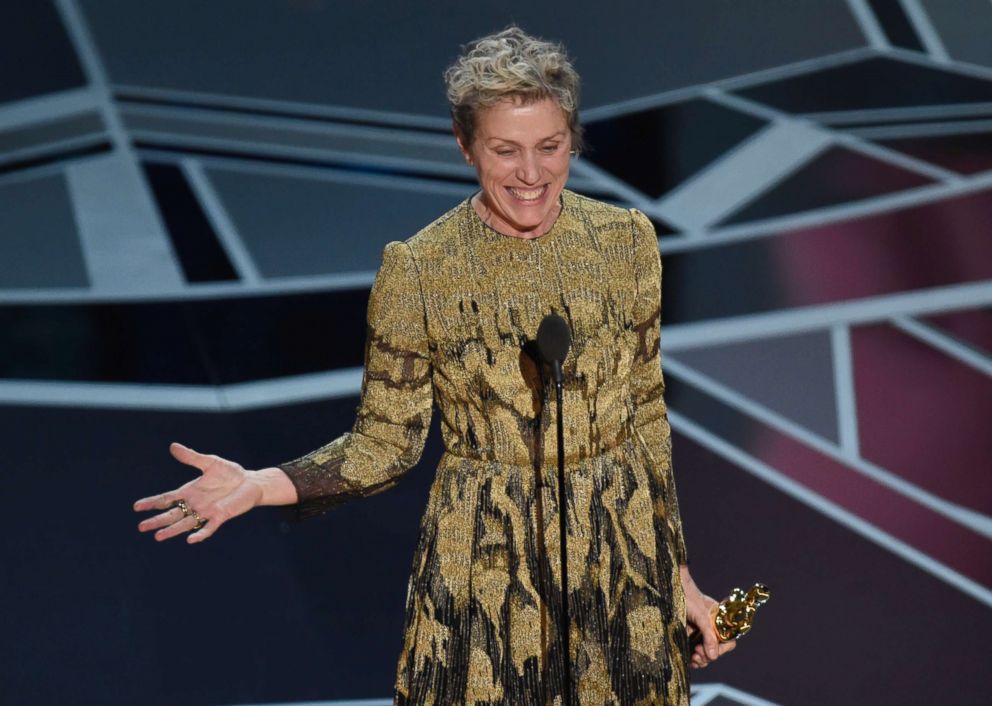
[(511, 65)]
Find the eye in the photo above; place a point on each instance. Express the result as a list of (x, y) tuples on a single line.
[(550, 149), (504, 152)]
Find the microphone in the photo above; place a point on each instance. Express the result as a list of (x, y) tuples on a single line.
[(553, 341)]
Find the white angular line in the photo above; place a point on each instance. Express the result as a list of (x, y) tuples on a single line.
[(846, 398), (869, 24), (898, 159), (704, 693), (745, 80), (94, 395), (830, 509), (49, 107), (335, 384), (938, 129), (743, 173), (916, 112), (193, 116), (300, 108), (920, 20), (776, 226), (945, 343), (273, 286), (847, 139), (124, 245), (319, 173), (880, 308), (89, 139), (224, 227), (966, 517)]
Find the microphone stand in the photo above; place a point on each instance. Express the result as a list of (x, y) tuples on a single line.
[(564, 623), (553, 341)]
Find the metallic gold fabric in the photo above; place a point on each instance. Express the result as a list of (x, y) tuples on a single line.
[(451, 321)]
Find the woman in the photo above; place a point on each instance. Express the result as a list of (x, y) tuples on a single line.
[(451, 320)]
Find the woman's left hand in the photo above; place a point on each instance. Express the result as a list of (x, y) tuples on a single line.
[(699, 616)]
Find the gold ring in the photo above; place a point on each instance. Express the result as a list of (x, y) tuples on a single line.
[(182, 505), (200, 521)]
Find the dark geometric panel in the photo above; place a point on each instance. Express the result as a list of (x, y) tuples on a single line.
[(930, 245), (770, 370), (916, 405), (937, 536), (200, 253), (325, 596), (964, 27), (837, 176), (39, 246), (102, 343), (896, 25), (973, 327), (35, 51), (217, 341), (300, 226), (50, 131), (333, 53), (964, 153), (657, 149), (829, 582), (869, 84)]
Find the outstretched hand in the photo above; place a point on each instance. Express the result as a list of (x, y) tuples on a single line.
[(222, 491), (699, 616)]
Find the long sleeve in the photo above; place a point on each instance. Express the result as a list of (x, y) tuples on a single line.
[(647, 383), (394, 413)]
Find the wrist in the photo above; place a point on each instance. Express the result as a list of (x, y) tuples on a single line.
[(272, 487)]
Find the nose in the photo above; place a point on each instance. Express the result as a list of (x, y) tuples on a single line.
[(528, 170)]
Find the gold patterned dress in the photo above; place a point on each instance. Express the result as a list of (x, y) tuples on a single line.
[(452, 320)]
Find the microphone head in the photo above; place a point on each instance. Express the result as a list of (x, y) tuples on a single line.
[(553, 338)]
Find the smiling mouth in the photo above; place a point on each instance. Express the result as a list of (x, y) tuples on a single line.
[(527, 194)]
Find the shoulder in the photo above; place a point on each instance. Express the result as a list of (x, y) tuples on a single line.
[(624, 227), (440, 235)]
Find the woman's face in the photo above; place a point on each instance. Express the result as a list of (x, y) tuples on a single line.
[(521, 155)]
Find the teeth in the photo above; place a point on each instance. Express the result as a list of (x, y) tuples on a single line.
[(530, 195)]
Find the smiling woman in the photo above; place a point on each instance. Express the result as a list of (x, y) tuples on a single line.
[(499, 609), (521, 155)]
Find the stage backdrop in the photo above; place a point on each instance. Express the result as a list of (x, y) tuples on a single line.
[(194, 197)]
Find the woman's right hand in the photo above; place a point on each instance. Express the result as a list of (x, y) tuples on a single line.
[(223, 491)]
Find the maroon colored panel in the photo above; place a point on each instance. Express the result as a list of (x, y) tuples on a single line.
[(930, 245), (933, 534), (965, 154), (848, 622), (923, 414), (973, 326), (839, 175)]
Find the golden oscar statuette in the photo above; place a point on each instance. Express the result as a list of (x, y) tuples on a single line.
[(732, 617)]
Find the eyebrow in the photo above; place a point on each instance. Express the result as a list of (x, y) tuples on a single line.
[(559, 134)]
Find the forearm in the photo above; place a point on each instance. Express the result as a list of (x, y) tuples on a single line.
[(275, 486)]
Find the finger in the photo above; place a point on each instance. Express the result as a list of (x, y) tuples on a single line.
[(711, 646), (205, 532), (726, 647), (164, 501), (163, 520), (186, 455), (183, 525)]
